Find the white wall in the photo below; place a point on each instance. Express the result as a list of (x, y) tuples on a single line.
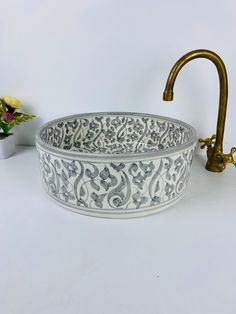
[(67, 56)]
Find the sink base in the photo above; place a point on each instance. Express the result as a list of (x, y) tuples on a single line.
[(120, 214)]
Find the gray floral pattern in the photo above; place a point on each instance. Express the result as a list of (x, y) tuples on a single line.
[(116, 185), (95, 171), (115, 134)]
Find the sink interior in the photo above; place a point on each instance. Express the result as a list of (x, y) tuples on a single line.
[(115, 133)]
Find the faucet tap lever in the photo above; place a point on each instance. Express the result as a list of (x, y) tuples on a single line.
[(207, 142), (221, 158), (228, 158)]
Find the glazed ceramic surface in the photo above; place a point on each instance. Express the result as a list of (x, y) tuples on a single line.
[(7, 146), (115, 164)]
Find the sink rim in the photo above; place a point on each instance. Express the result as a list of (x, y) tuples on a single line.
[(103, 156)]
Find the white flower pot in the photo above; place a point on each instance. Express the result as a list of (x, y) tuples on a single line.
[(7, 146)]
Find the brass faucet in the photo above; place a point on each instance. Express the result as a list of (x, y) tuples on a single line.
[(216, 159)]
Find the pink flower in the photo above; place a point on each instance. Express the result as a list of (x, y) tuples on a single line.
[(8, 117)]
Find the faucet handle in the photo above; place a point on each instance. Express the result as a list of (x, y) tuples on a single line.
[(217, 160), (207, 142), (228, 158)]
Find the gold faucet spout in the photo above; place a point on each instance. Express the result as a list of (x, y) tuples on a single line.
[(216, 158)]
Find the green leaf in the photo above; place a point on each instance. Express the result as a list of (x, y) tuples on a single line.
[(21, 117), (6, 127)]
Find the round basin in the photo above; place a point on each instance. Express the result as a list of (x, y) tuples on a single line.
[(115, 165)]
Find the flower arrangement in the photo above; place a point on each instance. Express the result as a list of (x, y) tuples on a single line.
[(9, 116)]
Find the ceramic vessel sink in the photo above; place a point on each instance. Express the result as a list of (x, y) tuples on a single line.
[(115, 165)]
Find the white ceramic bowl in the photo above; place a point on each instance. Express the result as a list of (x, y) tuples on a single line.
[(115, 165)]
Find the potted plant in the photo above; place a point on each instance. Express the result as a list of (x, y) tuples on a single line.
[(9, 117)]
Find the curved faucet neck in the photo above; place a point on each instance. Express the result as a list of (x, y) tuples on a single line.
[(168, 93)]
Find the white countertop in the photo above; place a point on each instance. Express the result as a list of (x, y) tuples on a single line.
[(182, 260)]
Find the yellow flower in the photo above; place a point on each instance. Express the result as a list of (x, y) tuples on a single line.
[(11, 102)]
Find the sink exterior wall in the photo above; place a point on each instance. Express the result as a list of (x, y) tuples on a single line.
[(116, 188)]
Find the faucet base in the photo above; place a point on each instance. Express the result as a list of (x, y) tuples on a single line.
[(216, 159), (214, 167)]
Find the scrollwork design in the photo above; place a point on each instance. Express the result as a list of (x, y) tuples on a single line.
[(120, 195), (116, 185), (115, 134)]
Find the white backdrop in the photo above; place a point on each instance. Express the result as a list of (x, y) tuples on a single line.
[(67, 56)]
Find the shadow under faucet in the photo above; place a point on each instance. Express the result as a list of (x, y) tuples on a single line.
[(216, 159)]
